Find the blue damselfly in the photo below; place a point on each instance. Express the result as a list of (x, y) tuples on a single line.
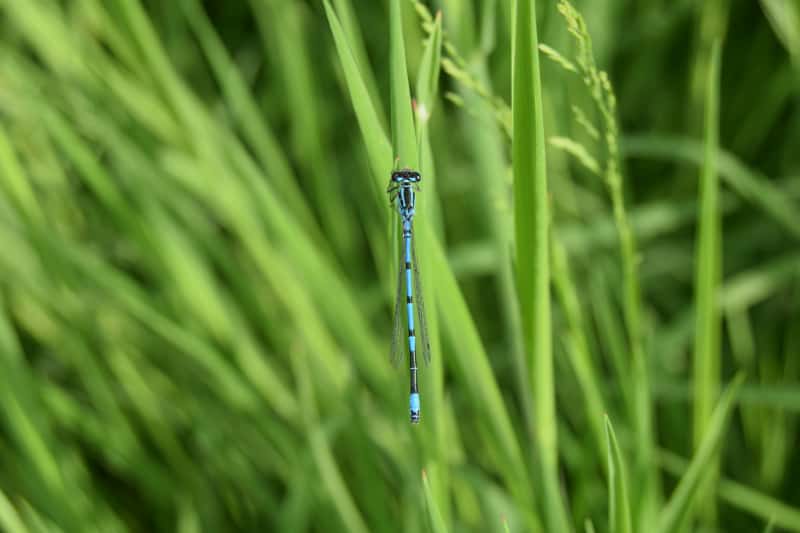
[(402, 193)]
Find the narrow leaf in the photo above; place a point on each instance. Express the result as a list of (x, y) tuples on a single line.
[(403, 133), (378, 147), (707, 274), (683, 495), (437, 524), (619, 510), (532, 219)]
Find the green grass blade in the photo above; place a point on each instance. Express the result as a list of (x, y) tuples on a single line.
[(750, 287), (784, 17), (532, 233), (247, 113), (682, 497), (490, 164), (426, 96), (759, 504), (9, 518), (435, 517), (16, 184), (742, 497), (707, 355), (428, 76), (428, 215), (619, 510), (378, 146), (284, 25), (355, 39), (404, 137), (577, 347), (331, 477), (379, 149)]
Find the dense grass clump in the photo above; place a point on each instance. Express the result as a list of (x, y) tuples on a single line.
[(198, 262)]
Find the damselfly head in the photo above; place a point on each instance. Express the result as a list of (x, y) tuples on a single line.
[(406, 175)]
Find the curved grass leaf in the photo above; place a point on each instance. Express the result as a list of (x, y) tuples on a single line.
[(619, 511), (435, 517), (741, 496), (682, 497)]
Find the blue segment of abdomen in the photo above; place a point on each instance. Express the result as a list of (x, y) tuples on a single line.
[(413, 402)]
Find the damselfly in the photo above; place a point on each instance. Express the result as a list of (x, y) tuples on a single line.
[(402, 193)]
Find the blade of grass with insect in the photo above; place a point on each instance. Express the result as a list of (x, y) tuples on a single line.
[(532, 237), (173, 306), (707, 356), (429, 214), (470, 358), (619, 510), (681, 500)]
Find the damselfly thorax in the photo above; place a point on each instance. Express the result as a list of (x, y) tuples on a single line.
[(402, 191)]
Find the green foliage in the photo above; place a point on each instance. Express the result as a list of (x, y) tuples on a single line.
[(619, 510), (707, 276), (197, 270), (532, 245)]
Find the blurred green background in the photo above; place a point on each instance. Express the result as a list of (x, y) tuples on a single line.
[(197, 268)]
